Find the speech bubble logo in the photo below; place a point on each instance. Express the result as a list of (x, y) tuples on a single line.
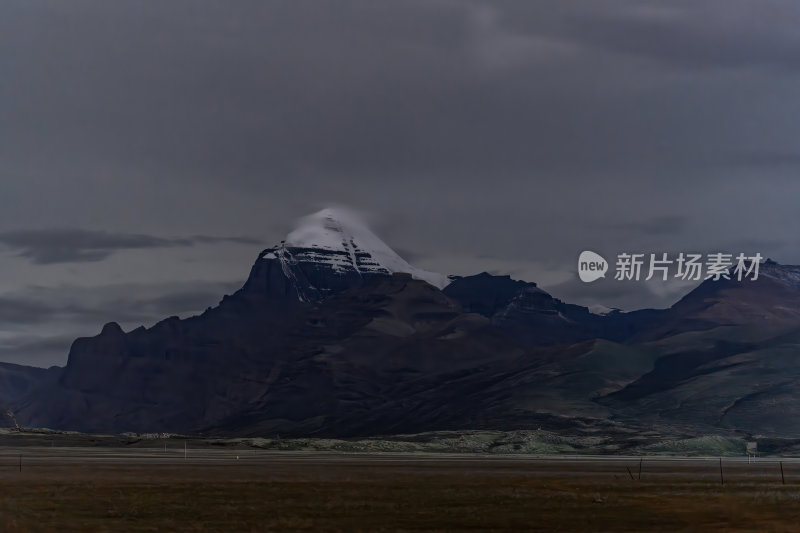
[(591, 266)]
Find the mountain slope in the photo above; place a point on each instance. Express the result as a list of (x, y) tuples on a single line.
[(727, 356), (532, 316), (393, 355), (771, 300)]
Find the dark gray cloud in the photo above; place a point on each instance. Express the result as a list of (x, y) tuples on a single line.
[(482, 135), (767, 159), (274, 91), (660, 225), (81, 246), (699, 35), (35, 351), (273, 96), (127, 303), (29, 317), (15, 310)]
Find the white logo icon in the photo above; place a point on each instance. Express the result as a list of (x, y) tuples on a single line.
[(591, 266)]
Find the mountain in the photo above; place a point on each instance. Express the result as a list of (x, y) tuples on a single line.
[(523, 310), (333, 250), (770, 301), (390, 356), (333, 334), (534, 317), (189, 374), (726, 355), (17, 382)]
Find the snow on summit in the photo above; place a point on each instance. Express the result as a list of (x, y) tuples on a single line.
[(332, 229), (346, 243)]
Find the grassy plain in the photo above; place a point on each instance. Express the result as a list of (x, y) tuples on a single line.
[(148, 489)]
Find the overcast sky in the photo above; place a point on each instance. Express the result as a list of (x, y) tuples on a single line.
[(150, 150)]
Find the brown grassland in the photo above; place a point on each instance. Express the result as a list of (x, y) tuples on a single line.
[(211, 490)]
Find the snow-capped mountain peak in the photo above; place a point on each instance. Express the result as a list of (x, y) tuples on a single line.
[(339, 240)]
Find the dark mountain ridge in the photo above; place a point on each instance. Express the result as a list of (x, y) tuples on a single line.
[(333, 334)]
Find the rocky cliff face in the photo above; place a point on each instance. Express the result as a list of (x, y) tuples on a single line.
[(311, 274)]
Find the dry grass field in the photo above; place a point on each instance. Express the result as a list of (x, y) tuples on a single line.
[(85, 489)]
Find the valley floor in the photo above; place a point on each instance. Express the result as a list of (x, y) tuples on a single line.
[(208, 489)]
